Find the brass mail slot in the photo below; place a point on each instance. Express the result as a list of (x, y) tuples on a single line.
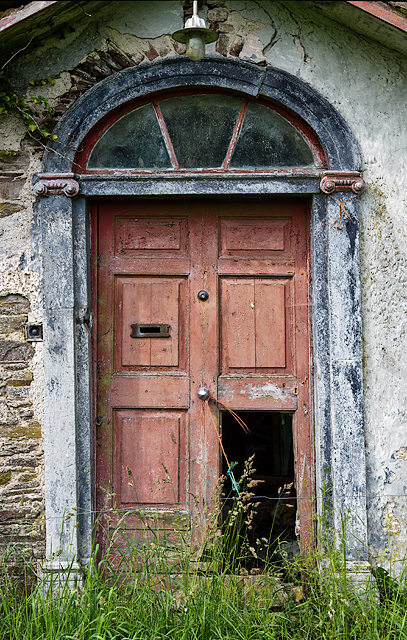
[(142, 330)]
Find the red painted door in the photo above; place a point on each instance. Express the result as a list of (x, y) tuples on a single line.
[(157, 343)]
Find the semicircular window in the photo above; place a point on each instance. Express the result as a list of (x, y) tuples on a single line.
[(203, 131)]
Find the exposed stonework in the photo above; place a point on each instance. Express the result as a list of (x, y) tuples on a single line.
[(21, 464)]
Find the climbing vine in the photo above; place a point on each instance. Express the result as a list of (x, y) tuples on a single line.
[(35, 113)]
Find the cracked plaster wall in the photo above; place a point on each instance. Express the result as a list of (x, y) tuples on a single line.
[(365, 81)]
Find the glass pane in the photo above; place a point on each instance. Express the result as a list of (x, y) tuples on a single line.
[(133, 142), (200, 128), (267, 140)]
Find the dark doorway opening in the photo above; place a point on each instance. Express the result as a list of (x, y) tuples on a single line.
[(271, 535)]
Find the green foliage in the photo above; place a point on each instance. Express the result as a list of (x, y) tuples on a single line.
[(389, 588), (151, 586), (36, 113)]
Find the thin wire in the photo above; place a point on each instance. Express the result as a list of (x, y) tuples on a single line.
[(79, 511), (341, 208), (217, 432), (235, 415)]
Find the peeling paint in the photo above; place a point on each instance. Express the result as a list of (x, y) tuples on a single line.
[(401, 454), (262, 391), (389, 521)]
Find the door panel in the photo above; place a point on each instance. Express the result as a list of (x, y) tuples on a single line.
[(238, 327), (164, 237), (147, 301), (259, 238), (254, 330), (150, 457), (258, 393), (149, 391), (156, 343)]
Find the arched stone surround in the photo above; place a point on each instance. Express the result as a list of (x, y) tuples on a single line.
[(336, 300)]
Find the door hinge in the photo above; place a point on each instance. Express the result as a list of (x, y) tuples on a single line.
[(85, 317)]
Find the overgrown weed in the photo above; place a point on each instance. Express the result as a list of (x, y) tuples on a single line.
[(158, 587)]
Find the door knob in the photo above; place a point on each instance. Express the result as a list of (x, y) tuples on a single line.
[(203, 296), (203, 393)]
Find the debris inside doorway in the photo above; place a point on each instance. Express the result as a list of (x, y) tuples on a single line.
[(266, 534)]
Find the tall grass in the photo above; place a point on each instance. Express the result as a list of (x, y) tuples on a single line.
[(181, 591)]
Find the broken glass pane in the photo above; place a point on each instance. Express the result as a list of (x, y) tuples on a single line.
[(200, 128), (133, 142), (267, 140)]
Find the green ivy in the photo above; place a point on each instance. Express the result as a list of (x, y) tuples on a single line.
[(35, 114)]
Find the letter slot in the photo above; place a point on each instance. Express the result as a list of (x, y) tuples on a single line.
[(142, 330)]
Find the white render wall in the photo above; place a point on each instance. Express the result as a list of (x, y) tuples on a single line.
[(366, 82)]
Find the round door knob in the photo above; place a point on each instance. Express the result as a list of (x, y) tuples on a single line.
[(203, 296), (203, 393)]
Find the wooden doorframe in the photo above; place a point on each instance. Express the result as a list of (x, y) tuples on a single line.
[(336, 314)]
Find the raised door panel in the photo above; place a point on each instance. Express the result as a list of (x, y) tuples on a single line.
[(271, 330), (238, 324), (255, 238), (135, 237), (150, 457), (143, 304), (255, 325)]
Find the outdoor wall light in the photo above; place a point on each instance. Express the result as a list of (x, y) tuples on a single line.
[(195, 35)]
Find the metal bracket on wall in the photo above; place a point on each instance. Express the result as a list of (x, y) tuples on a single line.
[(341, 181), (56, 184), (85, 317), (33, 332)]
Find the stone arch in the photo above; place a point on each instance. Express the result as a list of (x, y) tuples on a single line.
[(136, 82)]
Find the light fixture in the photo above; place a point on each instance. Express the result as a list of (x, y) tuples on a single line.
[(195, 35)]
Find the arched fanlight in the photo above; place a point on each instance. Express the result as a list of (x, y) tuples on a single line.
[(195, 35)]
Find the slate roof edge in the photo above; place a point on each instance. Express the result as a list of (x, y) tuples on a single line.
[(383, 12), (30, 9), (379, 10)]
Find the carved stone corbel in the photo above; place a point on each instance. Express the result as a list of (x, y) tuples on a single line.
[(341, 181), (56, 184)]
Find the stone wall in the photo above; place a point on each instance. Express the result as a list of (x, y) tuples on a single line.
[(21, 474), (364, 80)]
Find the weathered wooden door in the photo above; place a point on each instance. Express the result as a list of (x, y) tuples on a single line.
[(157, 343)]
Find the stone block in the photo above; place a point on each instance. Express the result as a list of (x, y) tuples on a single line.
[(13, 304), (26, 413), (18, 392), (252, 50), (29, 477), (11, 324), (218, 14), (17, 403), (222, 44), (11, 183), (14, 366), (22, 379), (11, 351), (32, 430), (7, 417), (20, 160), (5, 477), (8, 515), (17, 448), (24, 462), (8, 208), (151, 53)]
